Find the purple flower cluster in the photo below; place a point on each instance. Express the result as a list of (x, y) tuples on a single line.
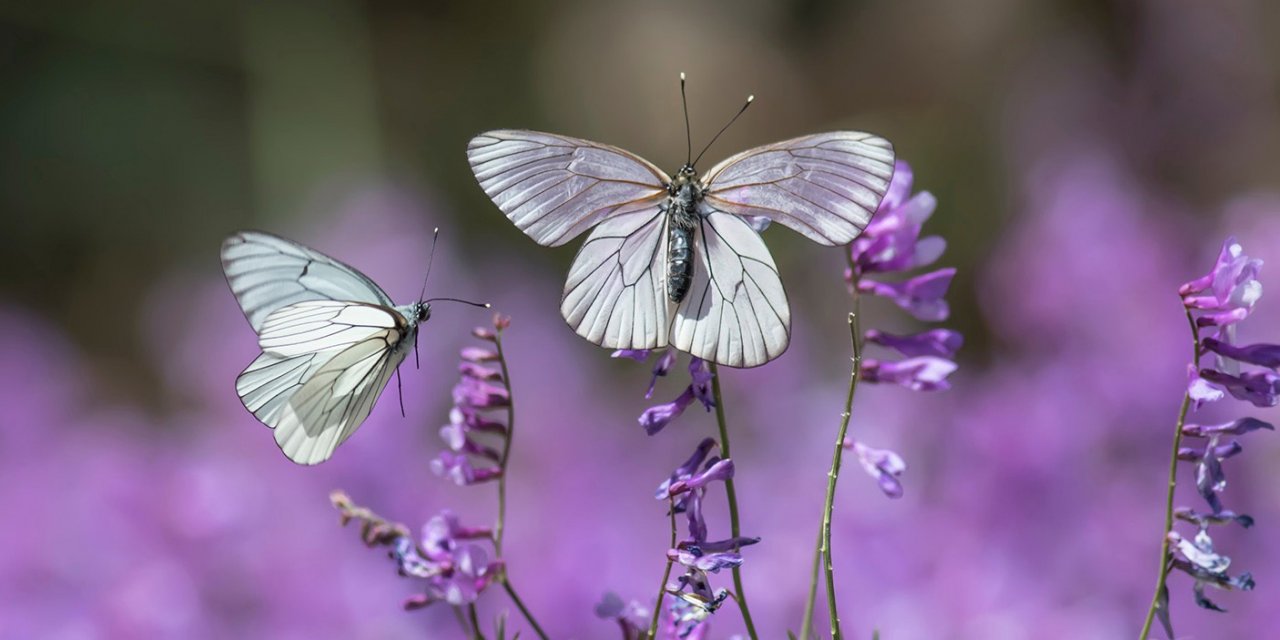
[(892, 244), (1218, 302), (685, 489), (480, 390), (1221, 299), (453, 568), (655, 418)]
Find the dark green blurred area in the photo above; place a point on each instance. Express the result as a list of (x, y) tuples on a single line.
[(133, 136)]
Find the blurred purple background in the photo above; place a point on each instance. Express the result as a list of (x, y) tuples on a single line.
[(1087, 158)]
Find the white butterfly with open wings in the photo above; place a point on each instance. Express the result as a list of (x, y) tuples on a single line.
[(673, 260), (330, 339)]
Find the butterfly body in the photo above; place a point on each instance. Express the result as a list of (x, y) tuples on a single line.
[(681, 209)]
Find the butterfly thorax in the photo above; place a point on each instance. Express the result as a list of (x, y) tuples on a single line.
[(684, 193)]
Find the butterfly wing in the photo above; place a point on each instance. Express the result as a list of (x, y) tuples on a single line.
[(267, 272), (825, 186), (616, 292), (323, 366), (736, 311), (555, 187)]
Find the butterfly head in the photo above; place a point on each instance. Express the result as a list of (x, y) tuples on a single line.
[(420, 312), (685, 182)]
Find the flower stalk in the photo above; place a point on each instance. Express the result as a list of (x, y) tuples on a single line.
[(734, 528), (1160, 599)]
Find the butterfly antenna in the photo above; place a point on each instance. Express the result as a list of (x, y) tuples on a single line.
[(482, 305), (725, 128), (435, 234), (688, 136)]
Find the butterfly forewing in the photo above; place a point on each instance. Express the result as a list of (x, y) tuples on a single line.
[(825, 186), (616, 292), (555, 187), (736, 311), (267, 272)]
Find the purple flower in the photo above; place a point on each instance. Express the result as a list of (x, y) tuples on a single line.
[(1262, 388), (479, 354), (1203, 520), (1263, 355), (1231, 285), (941, 343), (701, 385), (883, 465), (479, 372), (639, 355), (1207, 567), (925, 373), (718, 471), (441, 534), (660, 368), (921, 296), (686, 470), (689, 612), (452, 569), (710, 562), (1200, 390), (631, 617), (457, 467), (1234, 427), (657, 417), (477, 394), (892, 241)]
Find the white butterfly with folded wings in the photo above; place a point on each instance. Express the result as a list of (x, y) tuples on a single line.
[(330, 339), (674, 260)]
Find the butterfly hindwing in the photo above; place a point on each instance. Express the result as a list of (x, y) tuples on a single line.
[(825, 186), (324, 364), (736, 311), (615, 295), (555, 187)]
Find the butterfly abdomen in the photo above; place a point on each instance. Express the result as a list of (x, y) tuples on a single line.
[(679, 262), (679, 252)]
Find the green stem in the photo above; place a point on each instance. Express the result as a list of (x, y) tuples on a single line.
[(511, 592), (733, 499), (834, 474), (666, 574), (1163, 575), (500, 528)]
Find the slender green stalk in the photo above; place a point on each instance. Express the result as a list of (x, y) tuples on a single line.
[(511, 592), (500, 527), (666, 574), (1173, 483), (475, 622), (733, 499), (823, 547), (834, 475)]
